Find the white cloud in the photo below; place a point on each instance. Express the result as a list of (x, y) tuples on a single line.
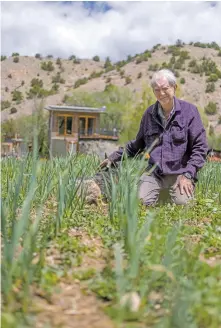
[(128, 28)]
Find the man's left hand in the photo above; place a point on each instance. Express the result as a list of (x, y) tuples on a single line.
[(185, 185)]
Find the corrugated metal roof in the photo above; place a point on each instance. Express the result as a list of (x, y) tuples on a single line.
[(76, 109)]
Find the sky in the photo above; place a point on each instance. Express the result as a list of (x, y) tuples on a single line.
[(114, 29)]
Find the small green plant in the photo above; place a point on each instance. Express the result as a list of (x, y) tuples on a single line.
[(17, 96), (107, 63), (5, 104), (15, 54), (212, 78), (79, 82), (210, 87), (72, 57), (211, 108), (58, 79), (128, 80), (96, 58), (16, 59), (139, 75), (47, 66), (182, 80), (76, 61), (37, 83), (13, 110), (58, 61), (95, 74), (122, 72), (108, 80), (3, 57), (38, 56)]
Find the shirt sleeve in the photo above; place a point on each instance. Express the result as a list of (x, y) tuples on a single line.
[(133, 147), (197, 144)]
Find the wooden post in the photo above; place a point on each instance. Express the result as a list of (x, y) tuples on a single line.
[(49, 133), (86, 125)]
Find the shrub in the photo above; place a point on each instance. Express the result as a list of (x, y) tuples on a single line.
[(15, 54), (16, 59), (47, 66), (192, 63), (219, 53), (58, 61), (6, 89), (76, 61), (211, 108), (120, 64), (109, 68), (17, 96), (122, 73), (72, 57), (3, 58), (210, 87), (107, 62), (108, 80), (176, 73), (174, 50), (139, 75), (58, 79), (182, 80), (49, 56), (154, 67), (36, 83), (9, 76), (96, 58), (22, 83), (179, 43), (128, 80), (212, 78), (95, 74), (219, 119), (5, 104), (79, 82), (38, 56), (13, 110)]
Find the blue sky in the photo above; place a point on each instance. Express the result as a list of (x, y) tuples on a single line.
[(113, 29)]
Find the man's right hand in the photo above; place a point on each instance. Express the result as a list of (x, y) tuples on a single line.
[(106, 163)]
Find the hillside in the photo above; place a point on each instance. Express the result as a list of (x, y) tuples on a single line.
[(195, 67)]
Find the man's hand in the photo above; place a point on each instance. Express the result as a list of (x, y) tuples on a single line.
[(185, 185), (106, 163)]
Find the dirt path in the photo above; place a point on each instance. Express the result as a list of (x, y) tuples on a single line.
[(72, 305)]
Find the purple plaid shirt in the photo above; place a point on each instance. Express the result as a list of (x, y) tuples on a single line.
[(179, 147)]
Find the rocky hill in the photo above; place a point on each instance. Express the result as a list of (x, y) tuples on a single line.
[(198, 70)]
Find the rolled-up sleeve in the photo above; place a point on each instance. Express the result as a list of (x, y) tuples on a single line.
[(197, 144)]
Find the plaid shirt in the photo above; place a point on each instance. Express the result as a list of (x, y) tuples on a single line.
[(178, 147), (164, 120)]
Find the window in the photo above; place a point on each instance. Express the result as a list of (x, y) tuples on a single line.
[(61, 123), (65, 124), (87, 125), (90, 126)]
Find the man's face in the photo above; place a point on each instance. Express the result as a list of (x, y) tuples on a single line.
[(163, 91)]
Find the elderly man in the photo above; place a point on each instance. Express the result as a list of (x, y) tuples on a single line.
[(175, 130)]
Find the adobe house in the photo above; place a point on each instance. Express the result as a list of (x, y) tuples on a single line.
[(68, 125)]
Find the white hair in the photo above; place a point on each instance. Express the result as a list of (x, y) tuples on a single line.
[(163, 73)]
